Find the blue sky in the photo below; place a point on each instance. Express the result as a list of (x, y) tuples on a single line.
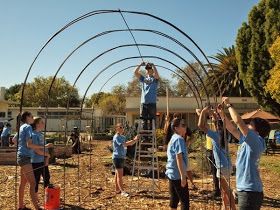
[(27, 25)]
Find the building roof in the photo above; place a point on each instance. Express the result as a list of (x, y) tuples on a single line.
[(261, 114)]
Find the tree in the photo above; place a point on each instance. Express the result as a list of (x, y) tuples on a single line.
[(96, 98), (273, 83), (182, 89), (109, 103), (252, 44), (225, 75), (12, 91), (36, 93)]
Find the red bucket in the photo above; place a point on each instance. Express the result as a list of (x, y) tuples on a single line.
[(52, 199)]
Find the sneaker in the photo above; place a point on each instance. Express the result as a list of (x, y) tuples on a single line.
[(125, 194)]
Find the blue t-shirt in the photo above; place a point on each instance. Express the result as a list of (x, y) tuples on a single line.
[(222, 159), (176, 146), (25, 133), (149, 89), (6, 132), (38, 139), (247, 162), (118, 147)]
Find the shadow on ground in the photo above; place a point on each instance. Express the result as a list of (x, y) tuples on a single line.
[(271, 202)]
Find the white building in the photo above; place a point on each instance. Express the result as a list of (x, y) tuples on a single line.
[(185, 106)]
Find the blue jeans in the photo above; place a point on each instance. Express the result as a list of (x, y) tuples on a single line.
[(249, 200)]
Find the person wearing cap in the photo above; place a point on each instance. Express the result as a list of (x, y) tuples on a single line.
[(252, 145), (5, 135), (149, 84)]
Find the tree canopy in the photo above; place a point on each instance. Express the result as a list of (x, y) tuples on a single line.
[(36, 93), (252, 43), (225, 75), (273, 83), (181, 88)]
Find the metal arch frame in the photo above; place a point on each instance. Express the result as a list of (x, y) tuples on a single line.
[(97, 12), (86, 16), (134, 66), (159, 47)]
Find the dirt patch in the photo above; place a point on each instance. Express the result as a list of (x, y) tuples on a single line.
[(95, 188)]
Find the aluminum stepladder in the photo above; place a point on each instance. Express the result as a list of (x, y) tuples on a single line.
[(145, 157)]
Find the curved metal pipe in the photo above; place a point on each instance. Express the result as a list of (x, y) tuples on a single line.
[(96, 12)]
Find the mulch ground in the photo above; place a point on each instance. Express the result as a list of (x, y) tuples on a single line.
[(93, 188)]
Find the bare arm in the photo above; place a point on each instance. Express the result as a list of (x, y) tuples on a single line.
[(36, 146), (131, 142), (156, 75), (179, 160), (230, 127), (202, 120), (236, 117), (137, 70), (42, 153)]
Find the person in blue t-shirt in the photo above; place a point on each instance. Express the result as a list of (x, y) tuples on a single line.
[(221, 156), (5, 135), (252, 145), (177, 164), (40, 157), (24, 152), (119, 153), (149, 85)]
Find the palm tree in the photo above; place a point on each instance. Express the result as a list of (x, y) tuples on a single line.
[(225, 73)]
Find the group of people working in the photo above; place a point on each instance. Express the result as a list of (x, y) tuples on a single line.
[(251, 146), (32, 154)]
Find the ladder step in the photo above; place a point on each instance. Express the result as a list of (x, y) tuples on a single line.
[(146, 131), (150, 156), (145, 151), (146, 143), (146, 134), (147, 168)]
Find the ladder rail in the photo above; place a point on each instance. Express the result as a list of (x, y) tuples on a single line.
[(148, 153)]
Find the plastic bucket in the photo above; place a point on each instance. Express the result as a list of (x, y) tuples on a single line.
[(52, 199)]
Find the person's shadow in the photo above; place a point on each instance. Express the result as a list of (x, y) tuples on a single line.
[(271, 202)]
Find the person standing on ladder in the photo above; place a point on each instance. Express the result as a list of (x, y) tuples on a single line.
[(149, 85)]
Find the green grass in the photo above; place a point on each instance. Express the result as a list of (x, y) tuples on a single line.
[(271, 163)]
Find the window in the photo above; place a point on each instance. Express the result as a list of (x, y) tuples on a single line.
[(3, 114)]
